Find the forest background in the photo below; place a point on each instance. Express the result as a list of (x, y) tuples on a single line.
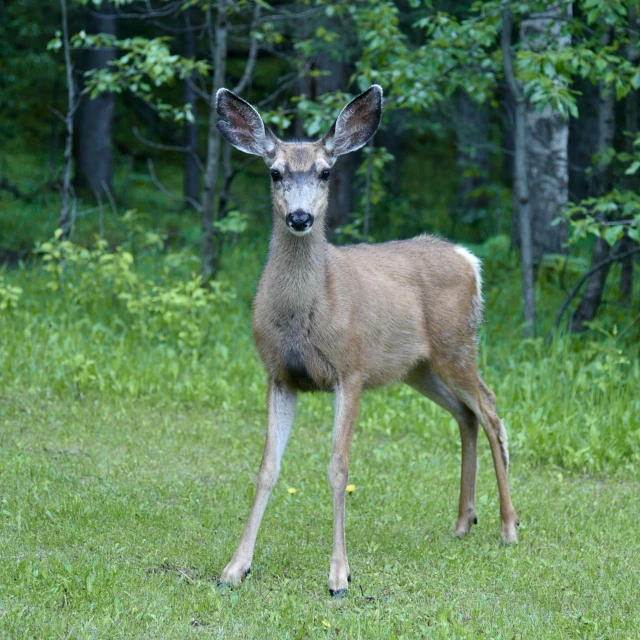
[(131, 241)]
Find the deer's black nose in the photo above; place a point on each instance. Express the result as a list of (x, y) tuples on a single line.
[(299, 220)]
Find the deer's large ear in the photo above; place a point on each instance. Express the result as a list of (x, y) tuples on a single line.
[(242, 125), (357, 122)]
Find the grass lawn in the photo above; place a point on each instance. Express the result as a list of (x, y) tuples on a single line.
[(131, 435), (118, 516)]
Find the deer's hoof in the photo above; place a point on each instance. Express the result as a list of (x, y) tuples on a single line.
[(339, 577), (337, 593), (233, 575), (509, 534), (464, 524)]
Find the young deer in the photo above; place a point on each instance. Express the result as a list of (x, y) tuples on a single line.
[(346, 319)]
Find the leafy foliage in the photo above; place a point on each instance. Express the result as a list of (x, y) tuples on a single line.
[(132, 322), (615, 214), (9, 296), (165, 311)]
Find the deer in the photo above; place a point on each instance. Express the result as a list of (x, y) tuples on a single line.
[(345, 319)]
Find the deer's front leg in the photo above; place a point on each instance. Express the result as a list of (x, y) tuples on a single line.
[(281, 410), (346, 412)]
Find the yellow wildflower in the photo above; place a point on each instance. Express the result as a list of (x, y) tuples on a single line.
[(292, 490), (351, 488), (325, 623)]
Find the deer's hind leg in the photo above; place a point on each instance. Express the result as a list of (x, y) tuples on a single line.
[(470, 389), (430, 385), (494, 428)]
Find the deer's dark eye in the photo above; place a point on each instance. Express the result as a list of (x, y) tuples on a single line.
[(325, 174), (276, 176)]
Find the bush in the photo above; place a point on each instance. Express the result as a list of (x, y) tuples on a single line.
[(130, 319)]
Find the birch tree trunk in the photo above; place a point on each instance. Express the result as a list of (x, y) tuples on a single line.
[(547, 136), (218, 48), (94, 121), (626, 244), (594, 289)]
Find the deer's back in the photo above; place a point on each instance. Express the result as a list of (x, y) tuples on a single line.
[(415, 300)]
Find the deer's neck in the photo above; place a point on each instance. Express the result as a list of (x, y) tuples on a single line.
[(296, 267)]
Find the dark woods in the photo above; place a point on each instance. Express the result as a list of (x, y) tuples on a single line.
[(509, 126)]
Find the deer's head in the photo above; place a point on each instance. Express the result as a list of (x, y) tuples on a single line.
[(300, 171)]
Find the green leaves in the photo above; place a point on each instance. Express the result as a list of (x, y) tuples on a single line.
[(233, 222), (611, 13), (613, 233), (9, 296), (162, 310), (320, 114), (608, 217), (633, 168), (55, 44), (145, 65)]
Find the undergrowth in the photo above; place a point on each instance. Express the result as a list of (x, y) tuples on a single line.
[(133, 321)]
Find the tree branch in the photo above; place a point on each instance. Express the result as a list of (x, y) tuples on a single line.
[(613, 257), (169, 10), (253, 51), (5, 185), (168, 147), (194, 203), (164, 27), (203, 94), (285, 85), (505, 43)]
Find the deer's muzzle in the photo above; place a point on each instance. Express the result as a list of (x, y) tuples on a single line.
[(300, 222)]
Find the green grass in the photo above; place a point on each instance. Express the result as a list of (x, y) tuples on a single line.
[(573, 404), (128, 464), (129, 452), (117, 517)]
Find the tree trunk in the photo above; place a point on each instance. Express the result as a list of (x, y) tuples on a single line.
[(65, 221), (218, 48), (583, 140), (509, 160), (392, 139), (631, 129), (547, 135), (191, 165), (626, 244), (54, 137), (94, 120), (521, 178), (594, 289), (227, 175), (592, 296), (472, 160)]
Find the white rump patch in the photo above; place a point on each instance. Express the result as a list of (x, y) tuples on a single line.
[(476, 265)]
